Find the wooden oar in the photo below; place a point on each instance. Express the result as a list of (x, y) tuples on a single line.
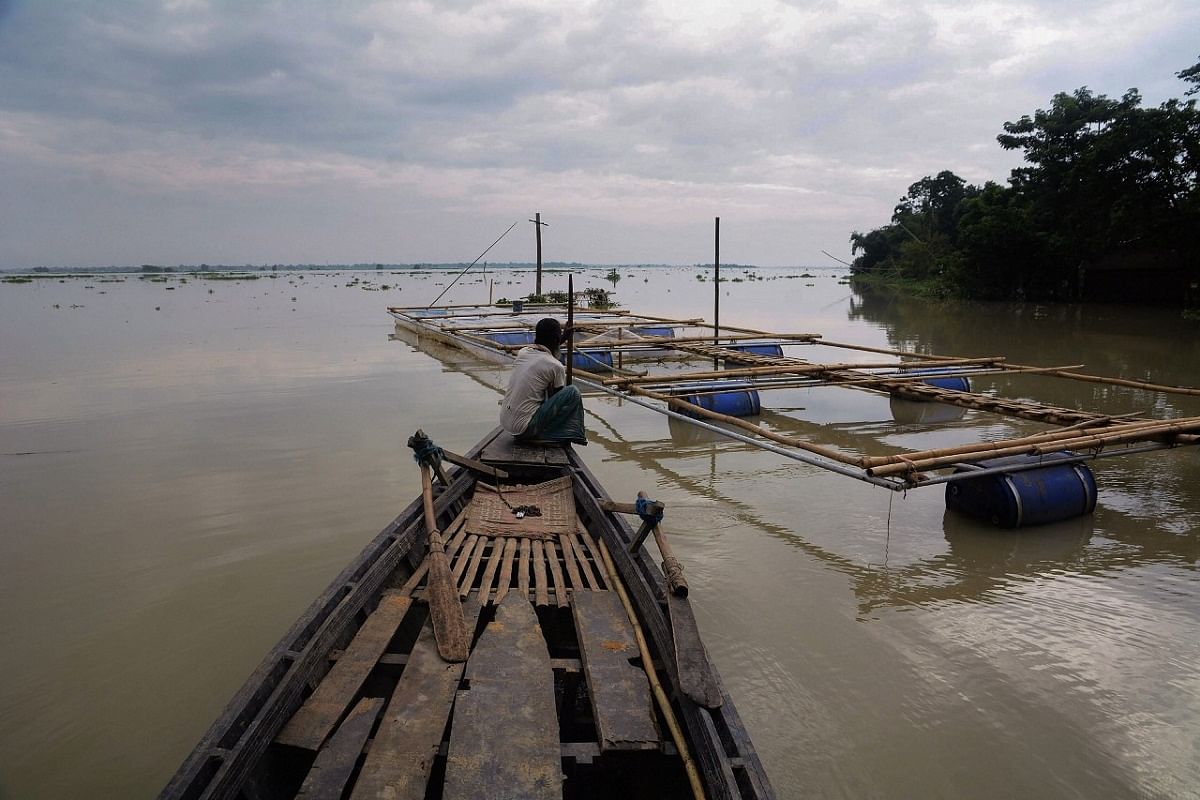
[(696, 679), (445, 608)]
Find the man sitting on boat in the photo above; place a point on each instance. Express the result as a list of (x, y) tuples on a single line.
[(538, 405)]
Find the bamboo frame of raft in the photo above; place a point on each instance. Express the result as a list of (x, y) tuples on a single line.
[(1092, 434)]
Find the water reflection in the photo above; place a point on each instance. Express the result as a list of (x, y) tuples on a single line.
[(224, 455)]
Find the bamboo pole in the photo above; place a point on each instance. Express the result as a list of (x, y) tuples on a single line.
[(716, 326), (885, 351), (989, 448), (1152, 387), (570, 324), (519, 324), (667, 341), (901, 379), (799, 367), (664, 704), (1079, 443)]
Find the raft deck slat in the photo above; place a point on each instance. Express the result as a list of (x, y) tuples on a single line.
[(398, 764), (309, 726), (336, 761), (504, 738), (620, 692)]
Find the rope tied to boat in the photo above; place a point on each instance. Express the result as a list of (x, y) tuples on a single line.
[(649, 510), (425, 451)]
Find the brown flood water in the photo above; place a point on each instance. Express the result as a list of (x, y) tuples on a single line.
[(181, 472)]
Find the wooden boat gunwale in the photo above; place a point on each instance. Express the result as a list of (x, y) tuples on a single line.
[(217, 765), (738, 776), (227, 756)]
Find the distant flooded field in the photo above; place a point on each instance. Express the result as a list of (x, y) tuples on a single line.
[(186, 462)]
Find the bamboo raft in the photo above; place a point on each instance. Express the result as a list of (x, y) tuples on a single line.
[(738, 358), (572, 684)]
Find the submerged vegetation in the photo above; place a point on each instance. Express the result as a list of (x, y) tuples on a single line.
[(1107, 206)]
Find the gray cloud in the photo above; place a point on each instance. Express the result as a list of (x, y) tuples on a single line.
[(798, 121)]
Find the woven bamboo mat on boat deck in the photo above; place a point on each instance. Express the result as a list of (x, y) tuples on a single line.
[(488, 515)]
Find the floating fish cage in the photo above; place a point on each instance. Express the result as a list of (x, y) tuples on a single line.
[(722, 379)]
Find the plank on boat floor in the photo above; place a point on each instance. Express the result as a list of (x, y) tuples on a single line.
[(398, 764), (312, 723), (504, 738), (505, 449), (337, 759), (620, 692)]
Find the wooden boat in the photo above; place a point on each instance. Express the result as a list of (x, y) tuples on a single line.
[(555, 698)]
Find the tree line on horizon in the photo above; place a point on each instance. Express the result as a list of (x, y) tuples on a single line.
[(1106, 185)]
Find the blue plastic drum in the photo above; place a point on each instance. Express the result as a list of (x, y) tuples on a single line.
[(1037, 496), (774, 350), (959, 383), (589, 360), (736, 402), (660, 333), (511, 337)]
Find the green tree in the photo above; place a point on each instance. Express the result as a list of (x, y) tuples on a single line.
[(931, 204), (1191, 75)]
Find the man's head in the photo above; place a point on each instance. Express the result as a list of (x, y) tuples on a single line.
[(548, 334)]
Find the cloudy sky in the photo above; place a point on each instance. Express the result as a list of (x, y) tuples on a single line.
[(334, 131)]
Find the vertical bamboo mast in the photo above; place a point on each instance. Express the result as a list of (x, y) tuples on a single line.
[(537, 226), (717, 289), (570, 328)]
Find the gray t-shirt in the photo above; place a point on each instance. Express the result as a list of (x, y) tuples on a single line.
[(535, 372)]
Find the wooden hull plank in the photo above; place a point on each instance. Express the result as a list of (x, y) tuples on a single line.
[(696, 677), (504, 739), (336, 761), (407, 742), (620, 692), (310, 725)]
